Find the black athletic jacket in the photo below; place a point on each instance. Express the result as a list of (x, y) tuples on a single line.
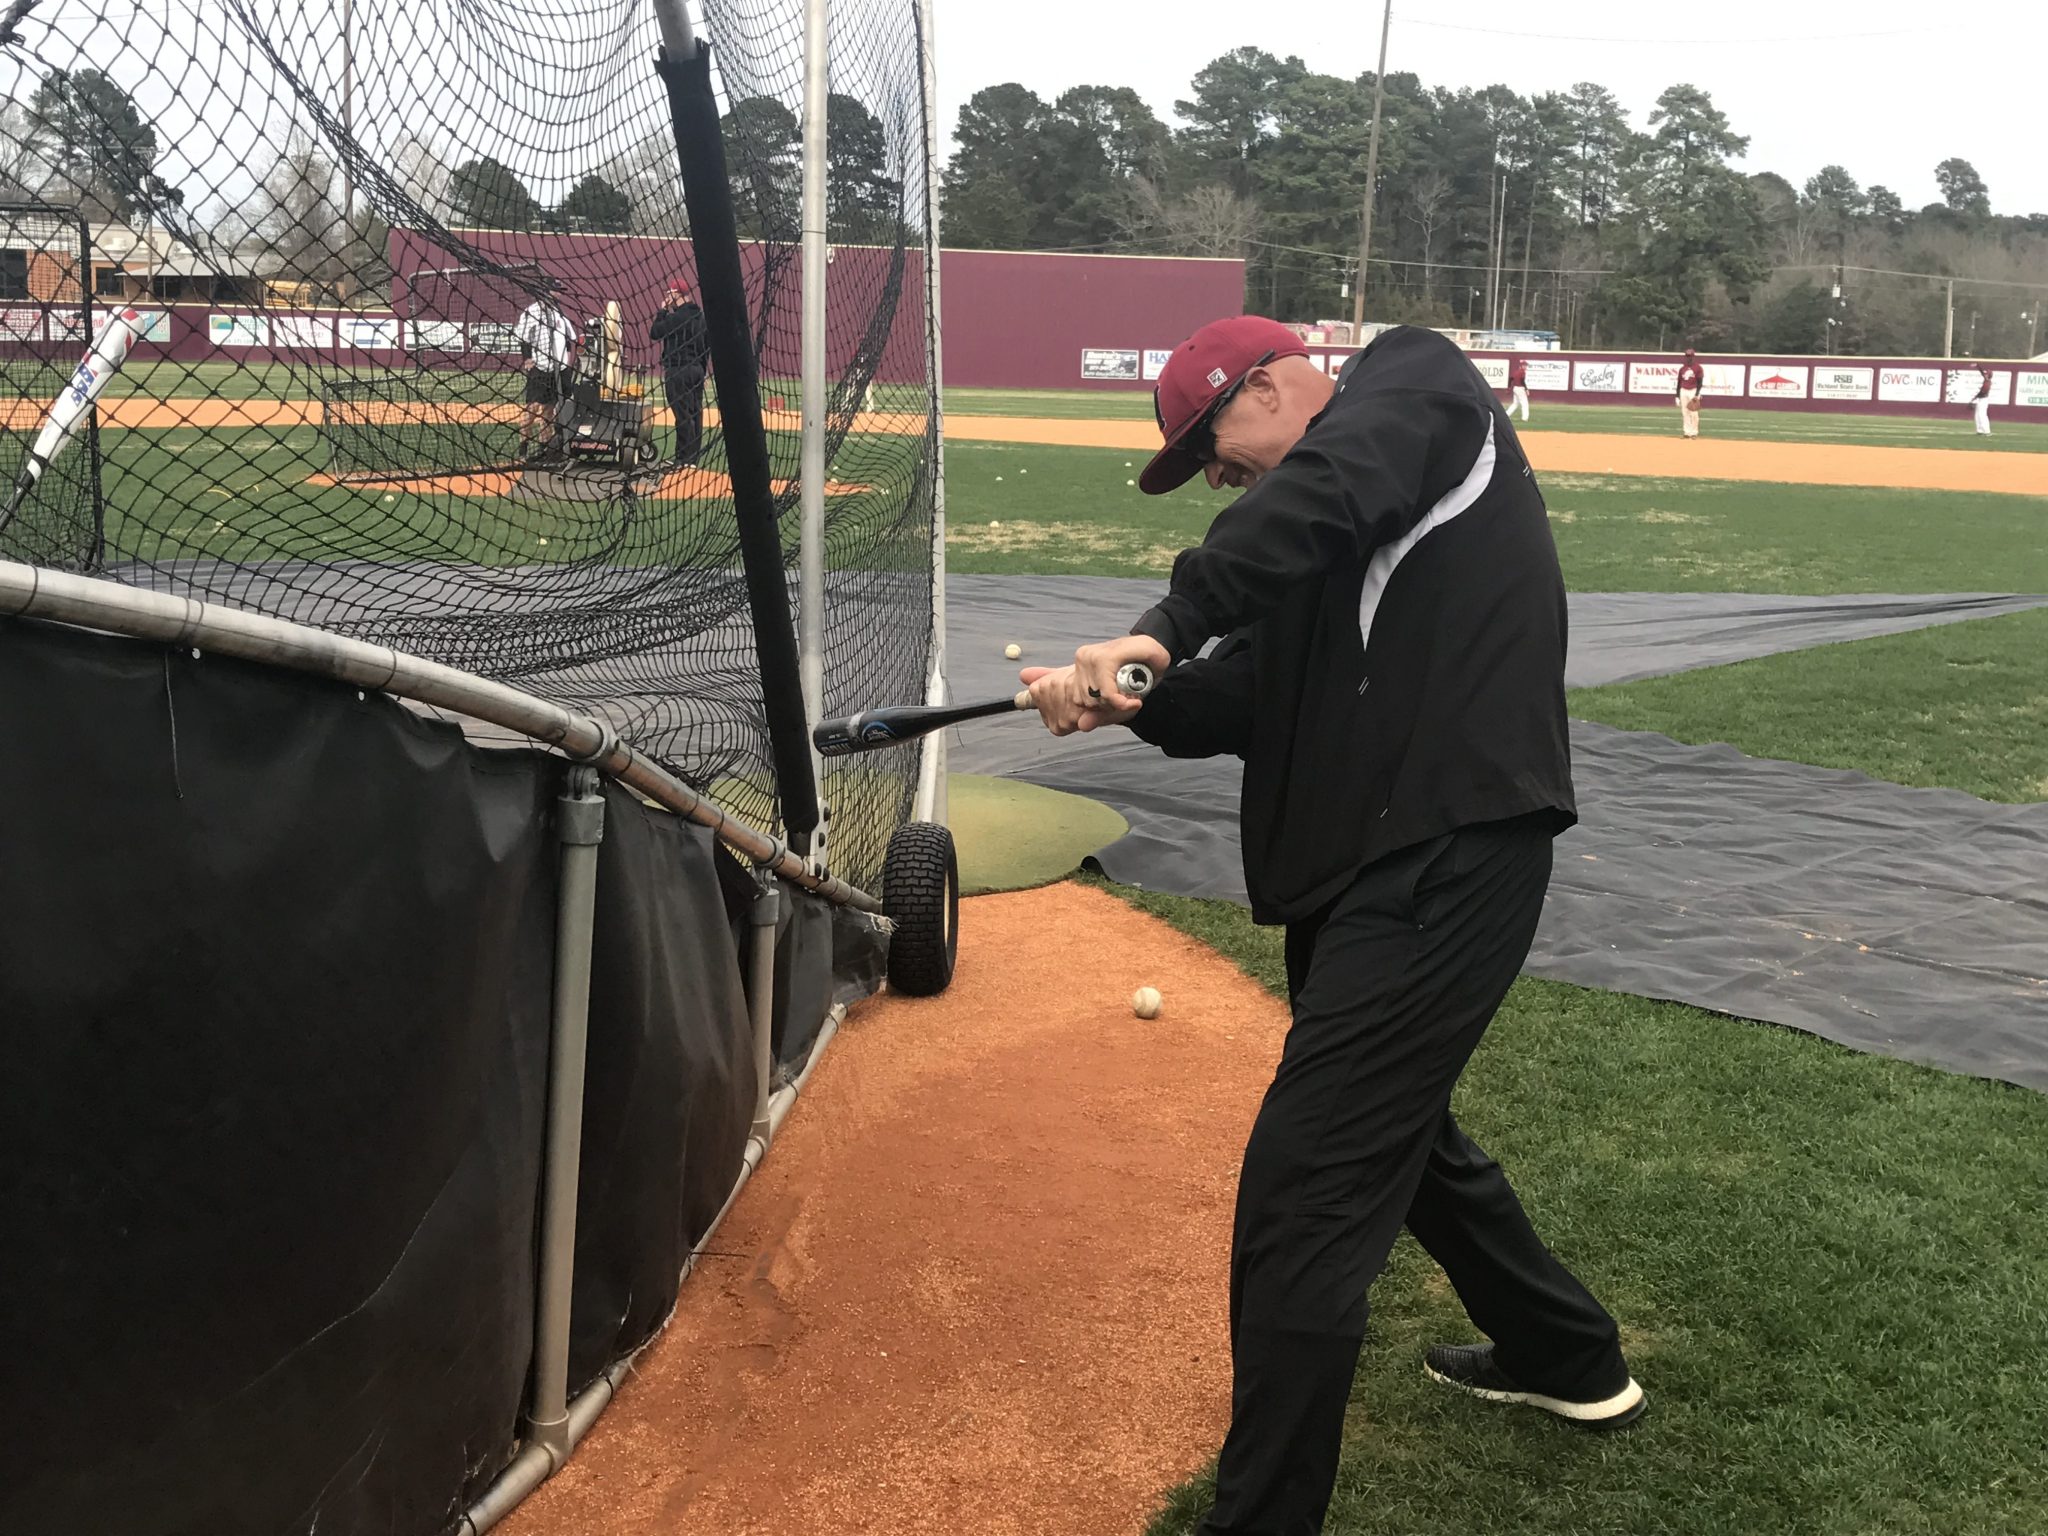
[(1394, 666), (685, 348)]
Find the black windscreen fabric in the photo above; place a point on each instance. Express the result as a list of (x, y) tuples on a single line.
[(274, 985), (669, 1086)]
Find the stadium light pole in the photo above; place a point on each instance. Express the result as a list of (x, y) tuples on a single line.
[(1372, 174), (811, 535)]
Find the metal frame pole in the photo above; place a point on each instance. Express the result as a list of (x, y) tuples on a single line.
[(90, 602), (931, 803), (1372, 173), (811, 538), (579, 825), (762, 919)]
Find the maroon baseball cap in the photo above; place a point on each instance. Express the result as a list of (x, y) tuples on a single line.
[(1208, 364)]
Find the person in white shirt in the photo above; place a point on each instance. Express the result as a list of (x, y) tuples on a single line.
[(547, 340)]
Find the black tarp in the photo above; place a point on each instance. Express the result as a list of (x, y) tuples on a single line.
[(274, 969), (275, 987), (1910, 922), (669, 1078)]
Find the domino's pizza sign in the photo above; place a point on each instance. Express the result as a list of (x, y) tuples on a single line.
[(1777, 381)]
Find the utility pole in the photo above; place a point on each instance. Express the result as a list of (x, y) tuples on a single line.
[(348, 112), (1948, 334), (1372, 172)]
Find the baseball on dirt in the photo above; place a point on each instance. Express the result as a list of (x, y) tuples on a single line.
[(1013, 651), (1145, 1002)]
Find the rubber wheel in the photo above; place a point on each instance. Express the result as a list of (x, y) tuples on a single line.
[(648, 451), (921, 894)]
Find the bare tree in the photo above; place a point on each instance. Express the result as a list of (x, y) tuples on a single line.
[(1212, 220), (297, 213), (1429, 202)]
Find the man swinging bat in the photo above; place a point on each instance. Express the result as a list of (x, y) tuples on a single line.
[(1392, 674)]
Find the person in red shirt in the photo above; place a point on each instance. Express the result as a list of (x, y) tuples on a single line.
[(1690, 377), (1518, 381), (1982, 401)]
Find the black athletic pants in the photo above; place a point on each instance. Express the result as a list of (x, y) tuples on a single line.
[(686, 399), (1393, 984)]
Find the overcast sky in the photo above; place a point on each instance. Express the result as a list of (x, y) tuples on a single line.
[(1887, 88)]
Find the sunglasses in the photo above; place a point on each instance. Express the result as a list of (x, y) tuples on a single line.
[(1201, 439)]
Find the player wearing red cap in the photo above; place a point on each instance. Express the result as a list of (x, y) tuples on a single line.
[(1392, 674), (1518, 384), (1690, 380)]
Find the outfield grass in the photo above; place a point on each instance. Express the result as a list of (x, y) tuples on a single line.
[(1831, 1273), (1963, 706), (1952, 429), (1014, 508)]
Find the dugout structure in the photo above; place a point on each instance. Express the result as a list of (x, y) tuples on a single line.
[(433, 907), (46, 325)]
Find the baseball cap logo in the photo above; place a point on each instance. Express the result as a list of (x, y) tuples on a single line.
[(1218, 378)]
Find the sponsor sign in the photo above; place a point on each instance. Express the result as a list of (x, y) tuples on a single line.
[(1549, 373), (379, 331), (436, 335), (1492, 369), (1723, 379), (21, 324), (1963, 384), (1653, 378), (312, 332), (1843, 383), (1155, 361), (1909, 384), (2033, 389), (238, 330), (69, 325), (493, 337), (1333, 362), (1598, 378), (1777, 381), (1109, 363)]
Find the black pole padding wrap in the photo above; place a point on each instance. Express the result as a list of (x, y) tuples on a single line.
[(707, 195)]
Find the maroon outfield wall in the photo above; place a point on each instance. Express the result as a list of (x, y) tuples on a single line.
[(1013, 320), (1028, 320)]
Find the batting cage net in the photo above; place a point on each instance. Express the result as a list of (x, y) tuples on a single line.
[(392, 316)]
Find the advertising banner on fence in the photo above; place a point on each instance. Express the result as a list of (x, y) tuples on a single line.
[(1724, 379), (1598, 378), (238, 330), (2033, 389), (1492, 369), (1155, 361), (378, 331), (1963, 384), (493, 336), (1653, 378), (1104, 363), (1842, 383), (1549, 373), (1909, 384), (21, 324), (70, 325), (313, 332), (436, 335), (1777, 381)]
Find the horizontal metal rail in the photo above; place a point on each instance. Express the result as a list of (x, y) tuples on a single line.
[(92, 603)]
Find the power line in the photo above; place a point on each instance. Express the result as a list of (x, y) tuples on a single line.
[(1674, 42)]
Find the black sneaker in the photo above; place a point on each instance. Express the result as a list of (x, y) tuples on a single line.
[(1470, 1368)]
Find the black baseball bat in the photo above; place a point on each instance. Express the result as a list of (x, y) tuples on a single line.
[(873, 729)]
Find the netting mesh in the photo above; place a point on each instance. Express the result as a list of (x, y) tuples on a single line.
[(402, 358)]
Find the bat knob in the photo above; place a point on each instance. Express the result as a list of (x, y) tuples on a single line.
[(1134, 678)]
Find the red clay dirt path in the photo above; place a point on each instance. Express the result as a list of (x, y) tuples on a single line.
[(979, 1283), (1592, 453)]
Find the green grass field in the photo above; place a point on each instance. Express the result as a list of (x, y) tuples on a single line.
[(1831, 1273), (1016, 508), (2012, 430)]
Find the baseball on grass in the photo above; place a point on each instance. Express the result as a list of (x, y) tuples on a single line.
[(1145, 1002), (1013, 651)]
